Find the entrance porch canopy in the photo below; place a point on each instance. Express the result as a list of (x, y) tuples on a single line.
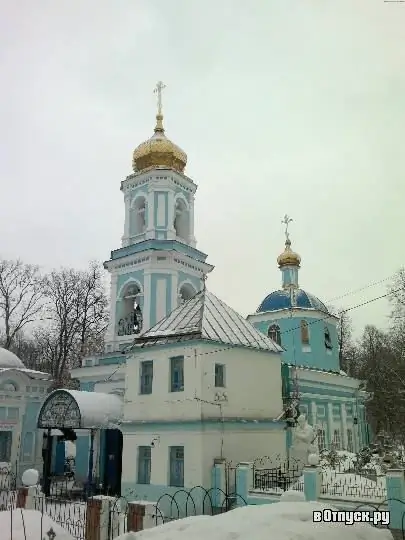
[(74, 409)]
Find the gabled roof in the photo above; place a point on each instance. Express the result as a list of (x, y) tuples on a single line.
[(205, 317)]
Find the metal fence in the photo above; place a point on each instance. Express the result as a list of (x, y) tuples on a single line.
[(346, 480), (272, 474), (169, 507)]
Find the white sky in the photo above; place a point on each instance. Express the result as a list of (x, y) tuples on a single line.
[(283, 107)]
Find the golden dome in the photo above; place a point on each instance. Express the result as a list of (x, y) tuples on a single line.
[(158, 151), (288, 257)]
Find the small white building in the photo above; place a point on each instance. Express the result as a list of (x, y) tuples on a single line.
[(22, 391), (201, 384)]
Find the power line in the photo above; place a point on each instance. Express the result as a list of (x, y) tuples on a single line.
[(350, 293), (314, 321)]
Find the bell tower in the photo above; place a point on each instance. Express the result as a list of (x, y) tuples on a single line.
[(158, 265)]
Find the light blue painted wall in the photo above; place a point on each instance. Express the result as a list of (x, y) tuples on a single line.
[(29, 425), (82, 456), (291, 341), (154, 299), (164, 200), (87, 386), (289, 276)]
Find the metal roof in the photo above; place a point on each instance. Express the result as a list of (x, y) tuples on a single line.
[(206, 317)]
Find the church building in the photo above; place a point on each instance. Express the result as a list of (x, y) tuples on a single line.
[(22, 391), (184, 379), (313, 383)]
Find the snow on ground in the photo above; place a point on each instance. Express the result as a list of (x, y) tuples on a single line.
[(29, 525), (281, 521)]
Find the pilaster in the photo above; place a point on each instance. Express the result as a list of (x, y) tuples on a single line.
[(330, 424), (313, 411), (344, 425)]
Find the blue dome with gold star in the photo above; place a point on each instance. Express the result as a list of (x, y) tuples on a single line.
[(286, 299)]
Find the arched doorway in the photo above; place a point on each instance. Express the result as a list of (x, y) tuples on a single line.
[(86, 416)]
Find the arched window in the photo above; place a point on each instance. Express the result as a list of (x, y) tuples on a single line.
[(137, 218), (304, 333), (186, 292), (328, 341), (131, 320), (274, 333), (181, 220)]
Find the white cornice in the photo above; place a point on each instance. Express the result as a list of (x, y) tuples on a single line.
[(292, 313)]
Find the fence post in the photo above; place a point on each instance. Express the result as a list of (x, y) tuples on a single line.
[(395, 481), (22, 494), (218, 483), (30, 489), (244, 482), (312, 482), (98, 517), (143, 515)]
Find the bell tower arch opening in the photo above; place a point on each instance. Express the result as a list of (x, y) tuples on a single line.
[(138, 216), (186, 291), (131, 320), (182, 220)]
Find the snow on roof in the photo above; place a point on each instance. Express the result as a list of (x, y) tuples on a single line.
[(80, 410), (281, 521), (208, 318), (32, 373), (98, 409)]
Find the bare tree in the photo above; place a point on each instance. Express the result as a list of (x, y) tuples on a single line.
[(77, 307), (397, 295), (345, 342), (21, 297)]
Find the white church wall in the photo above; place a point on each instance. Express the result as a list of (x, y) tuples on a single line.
[(241, 445), (162, 404), (193, 450), (252, 383)]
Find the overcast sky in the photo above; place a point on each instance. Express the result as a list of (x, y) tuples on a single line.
[(291, 107)]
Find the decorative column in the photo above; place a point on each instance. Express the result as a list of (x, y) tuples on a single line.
[(146, 308), (313, 413), (344, 425), (112, 330), (330, 426), (192, 239), (150, 225), (125, 237)]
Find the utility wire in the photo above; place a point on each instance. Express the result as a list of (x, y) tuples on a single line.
[(314, 321), (350, 293)]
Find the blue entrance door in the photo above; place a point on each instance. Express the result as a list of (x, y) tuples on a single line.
[(113, 462)]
